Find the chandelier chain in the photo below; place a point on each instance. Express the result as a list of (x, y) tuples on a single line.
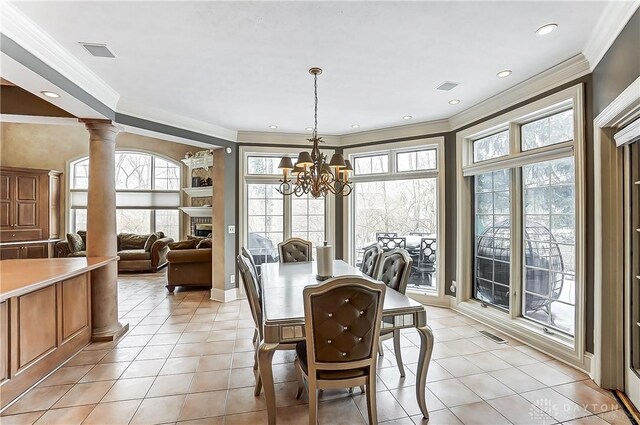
[(315, 111)]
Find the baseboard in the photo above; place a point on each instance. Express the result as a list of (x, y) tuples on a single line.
[(224, 296)]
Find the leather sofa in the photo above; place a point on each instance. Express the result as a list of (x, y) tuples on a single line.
[(131, 250), (189, 265)]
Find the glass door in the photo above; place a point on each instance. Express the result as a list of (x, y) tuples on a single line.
[(632, 272)]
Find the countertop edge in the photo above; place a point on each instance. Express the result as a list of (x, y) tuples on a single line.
[(63, 276)]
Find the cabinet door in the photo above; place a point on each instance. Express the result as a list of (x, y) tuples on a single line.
[(6, 207), (35, 251), (10, 252), (26, 201)]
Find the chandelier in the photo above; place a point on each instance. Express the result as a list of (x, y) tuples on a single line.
[(312, 173)]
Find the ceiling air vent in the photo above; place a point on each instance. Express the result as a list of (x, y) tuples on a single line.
[(447, 85), (98, 50)]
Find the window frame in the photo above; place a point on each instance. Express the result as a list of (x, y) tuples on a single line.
[(71, 220), (569, 349), (392, 149), (246, 178)]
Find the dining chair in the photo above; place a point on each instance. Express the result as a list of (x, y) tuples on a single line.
[(342, 324), (386, 235), (427, 259), (246, 254), (371, 260), (394, 272), (392, 242), (294, 250), (254, 296)]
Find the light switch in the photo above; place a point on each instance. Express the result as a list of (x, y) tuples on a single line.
[(232, 229)]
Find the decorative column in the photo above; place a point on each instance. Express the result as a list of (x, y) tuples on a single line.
[(101, 229)]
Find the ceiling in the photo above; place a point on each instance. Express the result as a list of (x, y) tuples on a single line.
[(243, 65)]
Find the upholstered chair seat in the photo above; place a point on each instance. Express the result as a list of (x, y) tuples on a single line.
[(394, 271), (295, 250)]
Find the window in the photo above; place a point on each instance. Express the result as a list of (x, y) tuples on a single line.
[(402, 207), (270, 217), (416, 160), (374, 164), (307, 219), (549, 243), (547, 131), (493, 238), (265, 222), (528, 222), (147, 194), (257, 165), (489, 147)]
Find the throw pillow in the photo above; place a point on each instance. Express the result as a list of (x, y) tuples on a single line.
[(75, 242), (150, 241), (195, 238), (188, 244), (160, 235), (205, 243)]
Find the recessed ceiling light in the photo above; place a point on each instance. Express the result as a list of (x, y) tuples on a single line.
[(273, 127), (309, 128), (454, 102), (355, 126), (50, 94), (407, 117), (546, 29), (503, 74)]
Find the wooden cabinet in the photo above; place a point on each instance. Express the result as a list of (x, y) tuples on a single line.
[(26, 250), (40, 330), (29, 204)]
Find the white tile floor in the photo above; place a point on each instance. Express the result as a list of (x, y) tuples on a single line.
[(188, 360)]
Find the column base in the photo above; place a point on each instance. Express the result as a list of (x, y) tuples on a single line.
[(110, 334)]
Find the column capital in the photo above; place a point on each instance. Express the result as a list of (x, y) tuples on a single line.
[(104, 130)]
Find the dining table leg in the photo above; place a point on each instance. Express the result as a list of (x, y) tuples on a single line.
[(426, 349), (265, 358)]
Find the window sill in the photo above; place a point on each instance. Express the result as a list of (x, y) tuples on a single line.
[(559, 346)]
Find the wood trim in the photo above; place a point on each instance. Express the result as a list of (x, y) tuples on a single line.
[(608, 359)]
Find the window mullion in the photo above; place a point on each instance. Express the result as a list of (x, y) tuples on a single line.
[(517, 226), (286, 219)]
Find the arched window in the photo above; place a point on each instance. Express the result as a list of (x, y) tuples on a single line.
[(147, 194)]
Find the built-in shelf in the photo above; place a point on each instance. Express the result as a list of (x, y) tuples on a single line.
[(198, 192), (199, 161), (197, 211)]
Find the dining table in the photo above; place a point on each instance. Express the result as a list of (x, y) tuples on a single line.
[(284, 320)]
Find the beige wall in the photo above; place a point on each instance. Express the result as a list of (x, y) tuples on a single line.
[(48, 146)]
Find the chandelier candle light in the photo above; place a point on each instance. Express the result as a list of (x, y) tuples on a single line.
[(312, 173)]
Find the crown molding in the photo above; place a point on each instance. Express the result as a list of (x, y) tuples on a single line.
[(284, 139), (414, 130), (555, 76), (609, 25), (161, 116), (36, 119), (36, 41)]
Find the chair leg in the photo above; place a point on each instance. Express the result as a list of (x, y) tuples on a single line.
[(313, 402), (372, 409), (258, 389), (396, 348), (296, 365), (380, 348), (255, 336), (362, 389), (255, 359)]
